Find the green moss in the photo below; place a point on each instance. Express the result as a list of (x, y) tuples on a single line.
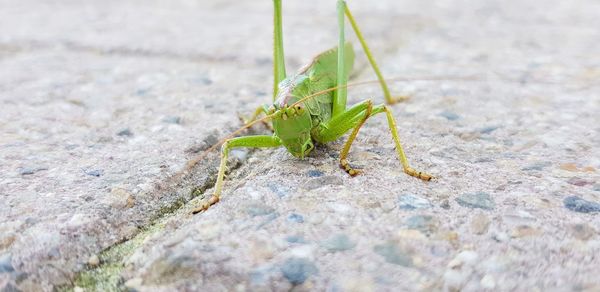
[(107, 276)]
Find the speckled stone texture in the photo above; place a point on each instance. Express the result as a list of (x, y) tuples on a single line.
[(104, 103)]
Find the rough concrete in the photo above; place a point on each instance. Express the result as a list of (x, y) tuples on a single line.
[(104, 103)]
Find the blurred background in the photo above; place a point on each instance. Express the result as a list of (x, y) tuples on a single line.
[(102, 104)]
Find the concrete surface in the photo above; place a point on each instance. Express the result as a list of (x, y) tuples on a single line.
[(104, 103)]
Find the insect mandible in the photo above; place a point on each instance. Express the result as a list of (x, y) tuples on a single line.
[(306, 109)]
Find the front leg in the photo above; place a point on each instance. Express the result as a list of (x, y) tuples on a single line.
[(262, 141), (354, 117)]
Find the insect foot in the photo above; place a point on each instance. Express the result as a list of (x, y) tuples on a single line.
[(418, 174), (397, 99), (213, 200), (346, 166)]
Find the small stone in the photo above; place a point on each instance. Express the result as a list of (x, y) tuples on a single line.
[(121, 198), (580, 205), (580, 182), (279, 190), (31, 170), (454, 280), (569, 167), (295, 239), (94, 261), (412, 202), (582, 231), (393, 255), (424, 223), (523, 231), (6, 264), (411, 234), (125, 133), (295, 218), (500, 237), (258, 209), (539, 166), (319, 182), (479, 200), (488, 282), (315, 173), (172, 120), (450, 116), (94, 172), (338, 242), (297, 270), (480, 224), (445, 204), (134, 283), (488, 129), (467, 257)]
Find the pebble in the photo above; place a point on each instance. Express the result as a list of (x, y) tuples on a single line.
[(392, 254), (467, 257), (424, 223), (121, 198), (315, 173), (93, 261), (319, 182), (582, 231), (523, 231), (6, 264), (295, 218), (278, 189), (580, 205), (258, 209), (580, 182), (295, 239), (488, 129), (172, 120), (480, 200), (488, 282), (480, 224), (125, 133), (412, 202), (338, 242), (539, 166), (94, 172), (450, 116), (454, 280), (297, 270), (31, 170)]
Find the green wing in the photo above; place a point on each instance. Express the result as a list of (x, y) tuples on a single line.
[(322, 74)]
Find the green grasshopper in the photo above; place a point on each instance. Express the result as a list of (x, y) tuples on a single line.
[(310, 106)]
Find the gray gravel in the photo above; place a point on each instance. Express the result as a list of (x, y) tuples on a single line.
[(104, 105)]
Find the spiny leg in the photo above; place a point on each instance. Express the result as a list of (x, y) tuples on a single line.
[(344, 153), (354, 117), (262, 141), (386, 92), (392, 125), (278, 56)]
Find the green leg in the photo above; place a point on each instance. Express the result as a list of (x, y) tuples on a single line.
[(355, 117), (247, 141), (339, 97), (386, 92), (278, 57)]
